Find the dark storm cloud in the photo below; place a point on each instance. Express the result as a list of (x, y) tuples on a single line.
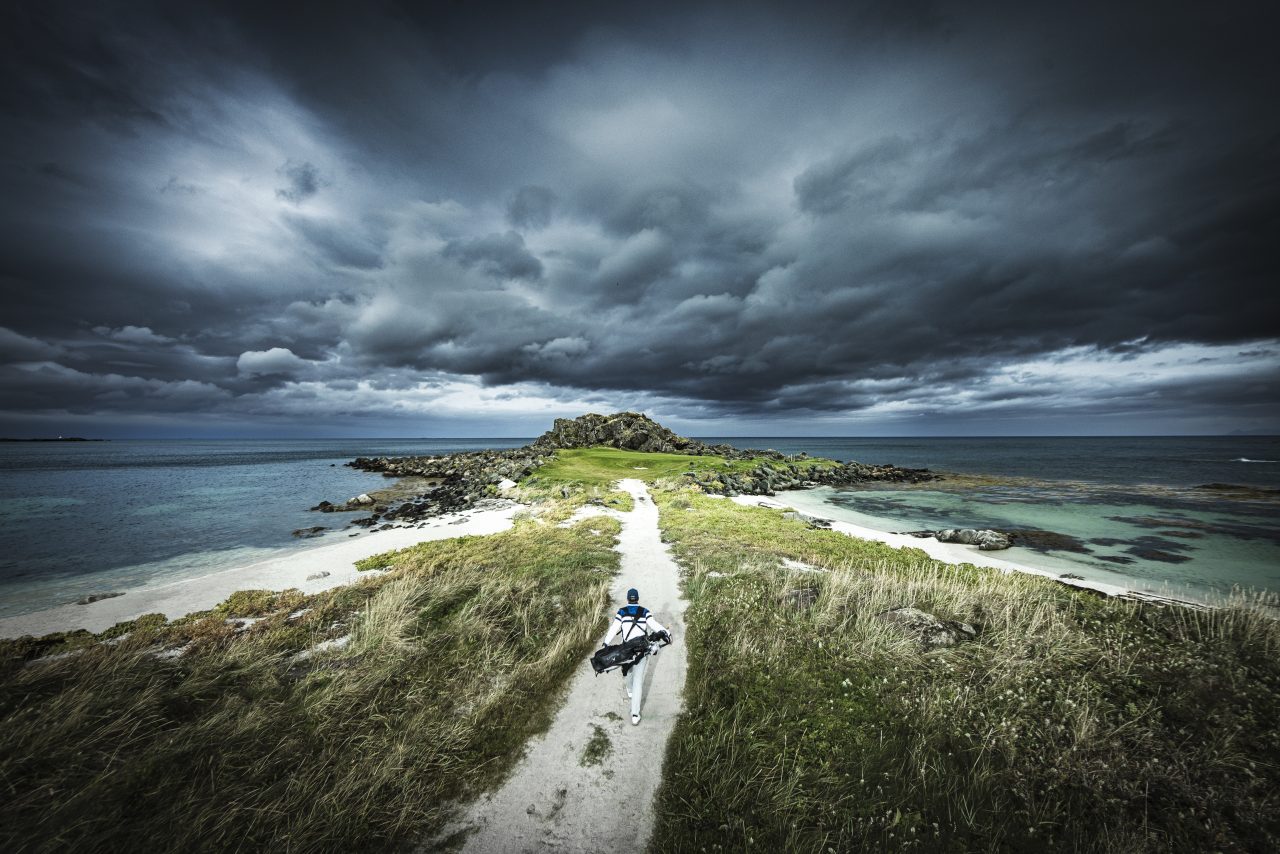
[(302, 181), (936, 210), (531, 207), (500, 255)]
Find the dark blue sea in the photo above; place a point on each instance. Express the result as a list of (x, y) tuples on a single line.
[(83, 518)]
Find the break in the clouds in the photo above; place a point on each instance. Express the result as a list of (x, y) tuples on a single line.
[(888, 218)]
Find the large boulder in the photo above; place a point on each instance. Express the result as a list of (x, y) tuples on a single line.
[(987, 541)]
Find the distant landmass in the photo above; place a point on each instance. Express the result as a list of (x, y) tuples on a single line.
[(58, 439)]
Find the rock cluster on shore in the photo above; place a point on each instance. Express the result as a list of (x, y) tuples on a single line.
[(985, 540), (465, 478), (782, 473)]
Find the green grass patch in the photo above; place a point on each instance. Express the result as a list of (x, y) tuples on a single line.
[(256, 739), (603, 466), (1073, 722), (598, 747)]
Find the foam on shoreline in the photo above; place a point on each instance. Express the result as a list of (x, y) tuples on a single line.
[(183, 596)]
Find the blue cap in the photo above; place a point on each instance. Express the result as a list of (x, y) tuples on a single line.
[(633, 595)]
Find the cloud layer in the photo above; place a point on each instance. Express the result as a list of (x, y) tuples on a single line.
[(966, 217)]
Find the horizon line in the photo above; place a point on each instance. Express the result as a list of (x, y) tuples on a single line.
[(704, 436)]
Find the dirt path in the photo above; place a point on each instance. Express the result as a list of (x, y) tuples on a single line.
[(555, 802)]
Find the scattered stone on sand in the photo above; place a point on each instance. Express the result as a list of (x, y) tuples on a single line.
[(98, 597), (315, 576), (811, 521), (931, 631)]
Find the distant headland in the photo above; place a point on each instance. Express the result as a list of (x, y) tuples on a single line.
[(55, 439)]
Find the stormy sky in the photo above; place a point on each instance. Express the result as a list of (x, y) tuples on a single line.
[(229, 219)]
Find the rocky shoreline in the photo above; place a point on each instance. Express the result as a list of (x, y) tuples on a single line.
[(455, 482)]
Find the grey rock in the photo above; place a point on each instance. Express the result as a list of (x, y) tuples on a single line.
[(98, 597), (931, 631), (983, 539)]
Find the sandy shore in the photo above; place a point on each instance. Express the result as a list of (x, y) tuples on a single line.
[(947, 552), (178, 598)]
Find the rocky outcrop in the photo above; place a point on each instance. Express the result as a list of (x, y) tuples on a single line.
[(460, 480), (629, 431), (783, 473), (463, 479), (985, 540), (931, 631)]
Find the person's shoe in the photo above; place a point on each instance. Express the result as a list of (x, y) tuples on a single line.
[(635, 719)]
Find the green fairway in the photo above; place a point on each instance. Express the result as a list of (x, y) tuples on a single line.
[(602, 466)]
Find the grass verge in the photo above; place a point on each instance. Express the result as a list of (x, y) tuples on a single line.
[(347, 720), (1073, 722)]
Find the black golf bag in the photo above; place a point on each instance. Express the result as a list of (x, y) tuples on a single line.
[(617, 655)]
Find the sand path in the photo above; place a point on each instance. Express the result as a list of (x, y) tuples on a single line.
[(552, 802)]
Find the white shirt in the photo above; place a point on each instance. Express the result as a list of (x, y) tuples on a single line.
[(642, 625)]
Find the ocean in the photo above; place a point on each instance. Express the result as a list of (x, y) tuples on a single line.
[(86, 518)]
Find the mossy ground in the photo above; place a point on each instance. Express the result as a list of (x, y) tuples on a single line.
[(1073, 723), (453, 659)]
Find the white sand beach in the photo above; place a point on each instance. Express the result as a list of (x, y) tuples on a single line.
[(183, 596), (955, 553)]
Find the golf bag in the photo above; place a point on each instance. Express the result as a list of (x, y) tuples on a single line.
[(617, 655)]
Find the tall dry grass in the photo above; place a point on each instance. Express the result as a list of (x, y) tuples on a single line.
[(1073, 722), (265, 738)]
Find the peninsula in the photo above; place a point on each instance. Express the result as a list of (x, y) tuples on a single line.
[(829, 692)]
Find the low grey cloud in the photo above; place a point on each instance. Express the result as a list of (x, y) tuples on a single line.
[(502, 256), (302, 181), (277, 360), (888, 218), (531, 207)]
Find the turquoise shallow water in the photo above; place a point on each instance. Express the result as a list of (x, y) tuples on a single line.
[(1156, 542), (82, 518)]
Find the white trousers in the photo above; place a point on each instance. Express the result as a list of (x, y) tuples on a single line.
[(635, 684)]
